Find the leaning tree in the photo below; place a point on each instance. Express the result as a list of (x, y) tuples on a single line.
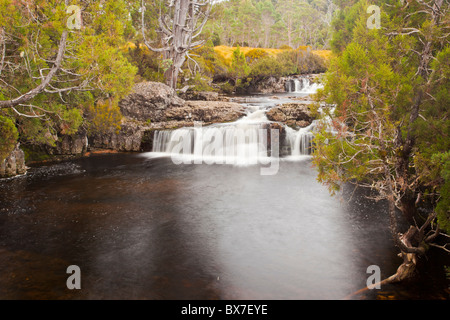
[(180, 26)]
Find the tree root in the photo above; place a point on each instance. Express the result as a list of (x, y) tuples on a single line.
[(405, 271)]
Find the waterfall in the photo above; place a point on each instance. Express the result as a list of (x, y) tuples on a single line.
[(300, 142), (247, 141), (244, 142), (302, 85)]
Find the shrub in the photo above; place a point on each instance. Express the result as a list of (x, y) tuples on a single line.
[(226, 87), (200, 82), (8, 137), (308, 62), (104, 117), (266, 67), (286, 47), (239, 67), (146, 61), (254, 55)]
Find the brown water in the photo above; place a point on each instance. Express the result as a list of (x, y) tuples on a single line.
[(142, 228)]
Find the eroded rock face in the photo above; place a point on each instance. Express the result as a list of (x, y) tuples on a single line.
[(14, 164), (70, 145), (157, 103), (293, 114), (129, 138), (278, 140), (269, 85)]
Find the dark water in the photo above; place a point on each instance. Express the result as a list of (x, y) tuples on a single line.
[(142, 228)]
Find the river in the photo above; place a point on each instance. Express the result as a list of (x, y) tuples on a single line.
[(141, 227)]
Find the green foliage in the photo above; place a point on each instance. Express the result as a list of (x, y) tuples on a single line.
[(93, 62), (271, 24), (443, 205), (147, 63), (208, 61), (343, 25), (8, 137), (266, 67), (373, 84), (239, 68), (200, 83), (227, 87)]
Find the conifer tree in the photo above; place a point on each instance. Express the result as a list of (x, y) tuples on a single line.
[(387, 121)]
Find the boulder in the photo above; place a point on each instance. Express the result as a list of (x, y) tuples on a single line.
[(278, 140), (149, 100), (14, 164), (293, 114), (269, 85)]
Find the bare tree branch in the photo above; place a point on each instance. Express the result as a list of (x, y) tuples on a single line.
[(45, 82)]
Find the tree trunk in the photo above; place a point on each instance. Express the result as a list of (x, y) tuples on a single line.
[(179, 28)]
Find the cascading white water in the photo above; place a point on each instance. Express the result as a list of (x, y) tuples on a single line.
[(244, 142), (302, 85), (300, 141)]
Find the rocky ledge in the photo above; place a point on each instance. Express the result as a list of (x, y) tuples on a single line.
[(155, 106)]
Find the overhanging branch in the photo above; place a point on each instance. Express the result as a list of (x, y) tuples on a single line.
[(45, 82)]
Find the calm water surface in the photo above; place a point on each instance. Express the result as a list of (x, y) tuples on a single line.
[(143, 228)]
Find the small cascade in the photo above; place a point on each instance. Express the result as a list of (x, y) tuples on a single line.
[(247, 141), (244, 142), (301, 85), (300, 142)]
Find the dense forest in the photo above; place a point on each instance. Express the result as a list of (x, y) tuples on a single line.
[(272, 24), (386, 89)]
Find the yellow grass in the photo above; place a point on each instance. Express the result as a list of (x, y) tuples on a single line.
[(326, 54), (227, 52)]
